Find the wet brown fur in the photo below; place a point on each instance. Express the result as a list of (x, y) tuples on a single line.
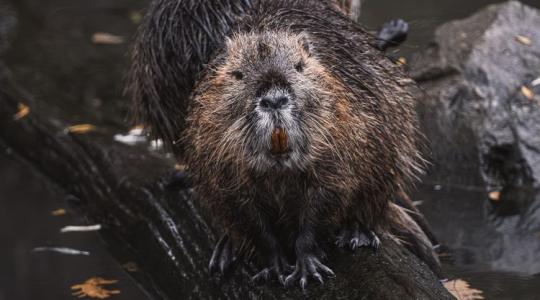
[(362, 147)]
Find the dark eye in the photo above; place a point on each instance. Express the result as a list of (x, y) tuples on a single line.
[(237, 75), (299, 66)]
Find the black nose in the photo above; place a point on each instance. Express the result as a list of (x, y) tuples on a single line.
[(274, 102)]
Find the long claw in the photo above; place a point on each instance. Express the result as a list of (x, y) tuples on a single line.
[(262, 276), (303, 282), (318, 277), (354, 243), (326, 270), (291, 278), (281, 279), (225, 260), (216, 254)]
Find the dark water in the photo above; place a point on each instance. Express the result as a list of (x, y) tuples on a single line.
[(75, 81)]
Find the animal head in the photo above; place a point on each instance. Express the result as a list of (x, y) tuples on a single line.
[(267, 103)]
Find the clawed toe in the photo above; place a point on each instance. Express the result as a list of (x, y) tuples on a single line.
[(357, 238), (306, 267), (279, 267), (223, 258)]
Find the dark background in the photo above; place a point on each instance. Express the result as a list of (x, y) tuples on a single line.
[(76, 81)]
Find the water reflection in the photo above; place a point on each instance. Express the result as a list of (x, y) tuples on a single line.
[(494, 245)]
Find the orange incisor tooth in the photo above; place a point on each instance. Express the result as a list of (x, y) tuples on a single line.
[(279, 140), (283, 140)]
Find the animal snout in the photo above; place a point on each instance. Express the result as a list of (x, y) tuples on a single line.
[(274, 102)]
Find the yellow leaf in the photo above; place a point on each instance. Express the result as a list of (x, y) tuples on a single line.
[(495, 196), (58, 212), (527, 92), (23, 111), (105, 38), (523, 39), (179, 167), (135, 17), (81, 128), (93, 288), (462, 291), (402, 61)]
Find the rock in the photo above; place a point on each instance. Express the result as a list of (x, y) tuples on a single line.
[(480, 107)]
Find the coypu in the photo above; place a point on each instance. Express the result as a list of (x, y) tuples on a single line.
[(296, 128)]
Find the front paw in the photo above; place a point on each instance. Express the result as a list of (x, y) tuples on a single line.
[(308, 266)]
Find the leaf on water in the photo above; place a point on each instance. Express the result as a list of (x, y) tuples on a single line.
[(462, 291), (523, 39), (495, 196), (81, 128), (131, 267), (61, 250), (179, 167), (137, 130), (402, 61), (104, 38), (80, 228), (135, 17), (527, 92), (58, 212), (135, 136), (22, 111), (94, 288)]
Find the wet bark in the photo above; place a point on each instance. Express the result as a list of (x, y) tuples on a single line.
[(162, 232)]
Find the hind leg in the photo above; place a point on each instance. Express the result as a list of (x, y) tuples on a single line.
[(354, 236)]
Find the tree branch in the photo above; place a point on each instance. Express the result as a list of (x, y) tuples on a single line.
[(163, 231)]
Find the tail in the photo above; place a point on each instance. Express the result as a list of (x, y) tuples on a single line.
[(403, 200), (173, 43), (410, 233)]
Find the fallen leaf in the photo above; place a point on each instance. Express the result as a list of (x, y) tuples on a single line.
[(179, 167), (93, 288), (104, 38), (58, 212), (81, 228), (23, 111), (135, 17), (137, 129), (156, 145), (61, 250), (444, 254), (527, 92), (81, 128), (462, 291), (523, 39), (495, 196), (402, 61), (135, 136), (131, 267)]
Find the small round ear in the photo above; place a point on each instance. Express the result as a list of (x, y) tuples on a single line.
[(228, 42), (305, 42)]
